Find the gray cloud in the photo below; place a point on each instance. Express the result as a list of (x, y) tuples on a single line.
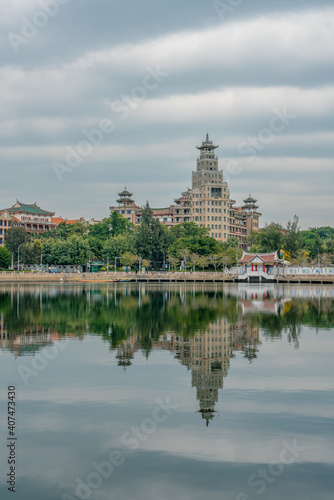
[(225, 76)]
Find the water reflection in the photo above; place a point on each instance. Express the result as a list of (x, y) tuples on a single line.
[(202, 326)]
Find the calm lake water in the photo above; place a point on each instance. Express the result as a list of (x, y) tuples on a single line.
[(171, 392)]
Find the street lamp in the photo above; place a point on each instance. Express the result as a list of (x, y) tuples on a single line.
[(18, 257), (282, 255), (44, 255), (140, 259), (116, 263), (164, 263)]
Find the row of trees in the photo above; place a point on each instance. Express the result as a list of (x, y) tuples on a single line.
[(150, 244), (153, 245), (315, 246)]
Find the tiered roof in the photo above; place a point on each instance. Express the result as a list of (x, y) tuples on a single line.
[(207, 144), (125, 196), (30, 209), (250, 203)]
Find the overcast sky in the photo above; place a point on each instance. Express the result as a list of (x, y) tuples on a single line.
[(142, 82)]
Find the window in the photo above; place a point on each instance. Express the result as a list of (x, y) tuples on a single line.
[(0, 222), (0, 231), (5, 223), (0, 241)]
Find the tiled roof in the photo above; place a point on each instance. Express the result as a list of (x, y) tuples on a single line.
[(31, 209), (265, 257), (57, 220)]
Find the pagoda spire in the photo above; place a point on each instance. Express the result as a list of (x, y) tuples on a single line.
[(207, 144)]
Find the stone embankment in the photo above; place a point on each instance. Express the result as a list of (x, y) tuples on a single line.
[(151, 277)]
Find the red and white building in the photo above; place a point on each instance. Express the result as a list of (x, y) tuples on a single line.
[(260, 265)]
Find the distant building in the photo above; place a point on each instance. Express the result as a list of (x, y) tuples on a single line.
[(5, 222), (31, 218), (207, 203), (210, 193), (244, 220), (127, 207)]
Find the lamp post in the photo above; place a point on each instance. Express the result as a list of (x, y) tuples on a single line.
[(140, 259), (107, 266), (282, 253), (88, 263), (42, 255), (18, 257), (116, 263), (164, 262)]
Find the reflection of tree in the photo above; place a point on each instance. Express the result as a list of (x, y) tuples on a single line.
[(120, 312)]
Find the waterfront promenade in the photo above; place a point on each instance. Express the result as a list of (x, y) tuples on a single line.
[(150, 277)]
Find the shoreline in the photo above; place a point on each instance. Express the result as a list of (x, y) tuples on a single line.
[(177, 277)]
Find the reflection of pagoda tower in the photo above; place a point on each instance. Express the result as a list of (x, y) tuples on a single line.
[(126, 351), (209, 361), (247, 339)]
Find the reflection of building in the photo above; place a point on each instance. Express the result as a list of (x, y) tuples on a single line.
[(207, 354), (28, 342), (209, 363), (126, 351)]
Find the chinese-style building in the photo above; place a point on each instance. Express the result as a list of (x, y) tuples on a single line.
[(5, 222), (259, 265), (207, 203), (127, 207), (31, 218)]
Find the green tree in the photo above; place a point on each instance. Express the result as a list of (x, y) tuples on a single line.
[(119, 245), (152, 238), (268, 239), (193, 259), (5, 258), (15, 236), (128, 259), (292, 241), (203, 262)]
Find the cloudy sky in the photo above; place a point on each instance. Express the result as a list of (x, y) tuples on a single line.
[(98, 94)]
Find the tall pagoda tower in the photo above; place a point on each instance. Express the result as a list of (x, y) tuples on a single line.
[(250, 208), (210, 193), (127, 207), (125, 199)]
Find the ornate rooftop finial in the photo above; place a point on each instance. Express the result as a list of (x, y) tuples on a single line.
[(207, 144)]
